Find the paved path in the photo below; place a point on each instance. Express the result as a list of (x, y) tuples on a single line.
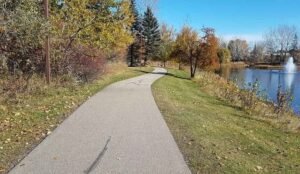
[(118, 131)]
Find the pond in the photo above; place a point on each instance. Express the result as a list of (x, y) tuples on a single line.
[(269, 82)]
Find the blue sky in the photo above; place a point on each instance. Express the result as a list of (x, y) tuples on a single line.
[(247, 19)]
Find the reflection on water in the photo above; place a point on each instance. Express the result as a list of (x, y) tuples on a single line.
[(289, 79), (269, 81)]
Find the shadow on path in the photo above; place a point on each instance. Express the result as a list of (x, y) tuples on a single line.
[(98, 159)]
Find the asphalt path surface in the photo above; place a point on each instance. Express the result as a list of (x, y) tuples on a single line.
[(120, 130)]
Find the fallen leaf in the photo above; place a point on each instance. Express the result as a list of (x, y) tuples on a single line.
[(259, 168)]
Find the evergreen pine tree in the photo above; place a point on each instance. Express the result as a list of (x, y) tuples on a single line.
[(294, 47), (295, 43), (136, 30), (151, 35), (254, 53)]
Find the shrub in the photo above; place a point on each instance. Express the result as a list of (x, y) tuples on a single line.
[(86, 64), (284, 99), (248, 96), (224, 55), (21, 35), (11, 86)]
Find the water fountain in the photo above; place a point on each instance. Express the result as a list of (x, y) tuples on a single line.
[(288, 78), (290, 70), (290, 67)]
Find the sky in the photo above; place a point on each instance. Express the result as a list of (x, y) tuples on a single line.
[(246, 19)]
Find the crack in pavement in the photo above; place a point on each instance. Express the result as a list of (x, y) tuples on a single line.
[(98, 159)]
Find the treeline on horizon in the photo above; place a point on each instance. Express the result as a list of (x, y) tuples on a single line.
[(277, 45)]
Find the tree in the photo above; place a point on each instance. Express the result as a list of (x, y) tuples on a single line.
[(81, 26), (238, 49), (294, 52), (22, 33), (102, 25), (187, 48), (151, 35), (209, 49), (75, 26), (280, 40), (258, 53), (136, 30), (224, 55), (167, 43), (295, 42), (270, 42), (222, 43)]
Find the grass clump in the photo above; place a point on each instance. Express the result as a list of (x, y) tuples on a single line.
[(216, 136)]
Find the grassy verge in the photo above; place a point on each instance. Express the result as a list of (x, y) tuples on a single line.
[(216, 137), (24, 122)]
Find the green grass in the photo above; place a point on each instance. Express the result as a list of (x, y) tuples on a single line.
[(216, 137), (23, 124)]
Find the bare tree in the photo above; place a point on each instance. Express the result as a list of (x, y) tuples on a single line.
[(222, 42), (239, 49), (280, 39)]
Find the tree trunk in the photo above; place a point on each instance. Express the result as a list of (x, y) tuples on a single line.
[(192, 72), (131, 56), (281, 54), (195, 68), (47, 47), (179, 64), (145, 60), (192, 67), (272, 59)]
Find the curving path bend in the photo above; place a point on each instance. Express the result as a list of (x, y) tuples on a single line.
[(120, 130)]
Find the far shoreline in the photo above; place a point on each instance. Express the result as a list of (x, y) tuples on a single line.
[(256, 65)]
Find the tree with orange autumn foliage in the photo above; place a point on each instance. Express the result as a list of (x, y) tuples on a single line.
[(208, 51), (199, 52)]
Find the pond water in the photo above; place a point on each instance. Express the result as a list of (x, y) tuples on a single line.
[(269, 82)]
